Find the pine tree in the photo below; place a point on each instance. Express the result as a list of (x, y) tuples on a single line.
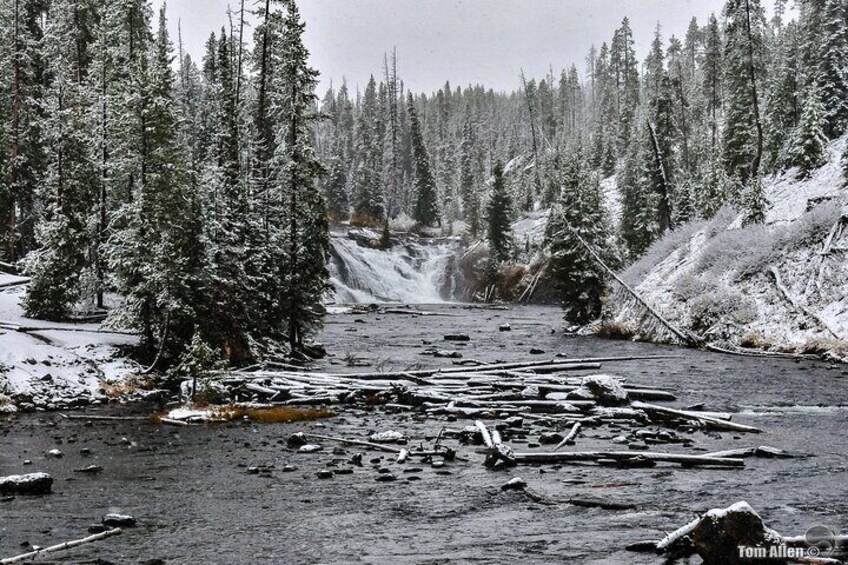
[(303, 238), (755, 203), (368, 197), (60, 267), (158, 254), (498, 217), (426, 210), (577, 218), (25, 163), (743, 129), (809, 140), (830, 41)]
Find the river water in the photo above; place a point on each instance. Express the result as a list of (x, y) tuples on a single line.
[(195, 502)]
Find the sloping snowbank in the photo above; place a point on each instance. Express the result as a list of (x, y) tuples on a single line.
[(62, 365), (781, 286)]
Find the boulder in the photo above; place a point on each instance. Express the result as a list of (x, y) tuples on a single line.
[(32, 483), (606, 390), (720, 533)]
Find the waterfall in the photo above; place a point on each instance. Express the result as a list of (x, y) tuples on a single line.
[(417, 271)]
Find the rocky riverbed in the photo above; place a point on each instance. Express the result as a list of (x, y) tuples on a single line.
[(237, 493)]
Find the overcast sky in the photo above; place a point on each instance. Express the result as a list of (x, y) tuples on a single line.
[(464, 41)]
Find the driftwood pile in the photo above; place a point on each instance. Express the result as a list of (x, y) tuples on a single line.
[(543, 394)]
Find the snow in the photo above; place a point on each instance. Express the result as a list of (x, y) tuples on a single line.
[(50, 364), (720, 272)]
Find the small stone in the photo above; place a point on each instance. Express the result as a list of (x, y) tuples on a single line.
[(324, 474), (90, 470), (85, 452), (55, 453), (537, 351), (384, 470), (619, 439), (389, 436), (457, 337), (118, 520), (97, 529), (505, 328), (514, 422), (516, 483), (550, 438), (289, 469), (344, 471), (27, 462), (386, 478), (310, 448), (253, 470)]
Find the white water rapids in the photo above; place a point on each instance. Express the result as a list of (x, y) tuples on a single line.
[(413, 271)]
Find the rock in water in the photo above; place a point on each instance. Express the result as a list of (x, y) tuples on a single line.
[(606, 390), (118, 521), (389, 436), (720, 533), (32, 483), (516, 483), (457, 337)]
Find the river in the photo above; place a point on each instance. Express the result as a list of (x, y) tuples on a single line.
[(195, 502)]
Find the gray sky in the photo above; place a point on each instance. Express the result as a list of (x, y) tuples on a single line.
[(464, 41)]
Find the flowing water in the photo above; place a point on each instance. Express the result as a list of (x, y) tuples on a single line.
[(412, 271), (196, 503)]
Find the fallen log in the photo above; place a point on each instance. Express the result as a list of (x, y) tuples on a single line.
[(594, 456), (570, 437), (696, 416), (60, 547)]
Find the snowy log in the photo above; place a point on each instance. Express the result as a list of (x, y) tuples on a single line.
[(697, 417), (60, 547), (594, 456)]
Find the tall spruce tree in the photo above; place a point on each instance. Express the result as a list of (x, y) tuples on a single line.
[(302, 239), (576, 219), (426, 210), (499, 219), (158, 253), (60, 267)]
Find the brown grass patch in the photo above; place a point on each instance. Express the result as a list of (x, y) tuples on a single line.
[(259, 414), (755, 340), (615, 330), (127, 386)]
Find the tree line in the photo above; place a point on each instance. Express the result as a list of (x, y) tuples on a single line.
[(184, 193), (197, 196), (694, 126)]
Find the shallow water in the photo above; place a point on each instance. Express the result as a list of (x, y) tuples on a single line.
[(195, 503)]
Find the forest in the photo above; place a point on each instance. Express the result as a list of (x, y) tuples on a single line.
[(193, 200)]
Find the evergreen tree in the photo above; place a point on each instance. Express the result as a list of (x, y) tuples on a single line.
[(743, 130), (302, 241), (25, 162), (577, 218), (426, 204), (158, 254), (369, 198), (809, 141), (498, 217), (60, 266)]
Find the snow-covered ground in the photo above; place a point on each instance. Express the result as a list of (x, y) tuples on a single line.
[(60, 365), (770, 287)]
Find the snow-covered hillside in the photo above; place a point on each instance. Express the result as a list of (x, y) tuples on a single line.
[(782, 286), (60, 365)]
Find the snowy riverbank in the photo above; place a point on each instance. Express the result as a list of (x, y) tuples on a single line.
[(781, 287), (48, 365)]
